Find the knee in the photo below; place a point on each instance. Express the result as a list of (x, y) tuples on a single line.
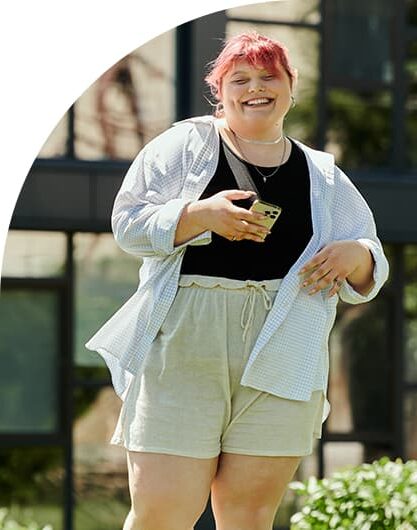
[(161, 513), (246, 514)]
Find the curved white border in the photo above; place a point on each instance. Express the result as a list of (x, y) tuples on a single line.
[(51, 52)]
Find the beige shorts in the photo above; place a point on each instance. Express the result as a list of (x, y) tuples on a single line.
[(187, 399)]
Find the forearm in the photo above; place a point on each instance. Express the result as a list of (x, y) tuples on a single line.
[(361, 279), (191, 222)]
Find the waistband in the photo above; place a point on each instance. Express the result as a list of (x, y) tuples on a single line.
[(187, 280)]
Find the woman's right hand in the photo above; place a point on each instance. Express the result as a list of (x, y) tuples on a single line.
[(218, 214)]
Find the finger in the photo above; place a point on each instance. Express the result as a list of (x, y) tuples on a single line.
[(235, 195), (254, 218), (337, 284), (252, 229), (319, 273), (311, 266)]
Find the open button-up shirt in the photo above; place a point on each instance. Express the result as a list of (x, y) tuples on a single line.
[(290, 356)]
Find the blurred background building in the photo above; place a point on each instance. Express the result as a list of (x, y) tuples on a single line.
[(63, 274)]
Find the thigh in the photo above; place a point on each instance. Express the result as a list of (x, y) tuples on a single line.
[(176, 483), (247, 490)]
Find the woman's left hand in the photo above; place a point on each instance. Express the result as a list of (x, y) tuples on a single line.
[(336, 262)]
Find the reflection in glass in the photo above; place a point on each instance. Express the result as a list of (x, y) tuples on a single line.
[(101, 487), (29, 351), (360, 386), (105, 278), (340, 455), (411, 103), (34, 254), (411, 13), (410, 310), (289, 10), (56, 144), (410, 417), (366, 26), (31, 485), (303, 47), (359, 132), (129, 104)]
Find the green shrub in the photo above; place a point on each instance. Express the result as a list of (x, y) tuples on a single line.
[(9, 524), (377, 496)]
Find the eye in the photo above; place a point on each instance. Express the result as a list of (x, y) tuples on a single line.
[(239, 81), (268, 77)]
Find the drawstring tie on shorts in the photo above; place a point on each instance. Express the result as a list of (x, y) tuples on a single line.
[(248, 310)]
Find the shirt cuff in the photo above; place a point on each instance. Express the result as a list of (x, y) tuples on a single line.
[(164, 226)]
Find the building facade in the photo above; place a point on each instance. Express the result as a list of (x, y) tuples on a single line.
[(63, 273)]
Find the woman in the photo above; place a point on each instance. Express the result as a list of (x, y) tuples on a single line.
[(221, 355)]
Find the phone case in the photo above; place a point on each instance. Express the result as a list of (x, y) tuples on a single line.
[(272, 212)]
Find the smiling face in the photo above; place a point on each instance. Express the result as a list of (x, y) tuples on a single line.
[(255, 100)]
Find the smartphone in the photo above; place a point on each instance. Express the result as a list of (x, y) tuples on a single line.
[(272, 212)]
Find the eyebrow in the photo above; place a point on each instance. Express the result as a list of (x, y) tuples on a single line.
[(244, 72)]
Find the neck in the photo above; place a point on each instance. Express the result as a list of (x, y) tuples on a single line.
[(260, 137), (257, 141)]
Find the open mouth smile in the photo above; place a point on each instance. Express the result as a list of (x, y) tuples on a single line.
[(257, 102)]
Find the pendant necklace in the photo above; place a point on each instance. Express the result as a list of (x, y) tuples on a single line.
[(263, 175)]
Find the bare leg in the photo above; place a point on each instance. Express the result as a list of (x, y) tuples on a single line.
[(168, 492), (248, 490)]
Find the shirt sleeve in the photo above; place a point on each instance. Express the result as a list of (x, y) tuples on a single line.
[(149, 205), (352, 219)]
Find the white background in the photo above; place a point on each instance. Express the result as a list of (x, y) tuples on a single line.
[(51, 52)]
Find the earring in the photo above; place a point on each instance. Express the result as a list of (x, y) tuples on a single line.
[(292, 101), (219, 109)]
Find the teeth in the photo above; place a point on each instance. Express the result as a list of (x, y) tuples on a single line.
[(257, 101)]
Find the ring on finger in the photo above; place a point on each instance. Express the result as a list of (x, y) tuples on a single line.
[(233, 238), (338, 282)]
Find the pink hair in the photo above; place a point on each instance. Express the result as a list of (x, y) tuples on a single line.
[(257, 50)]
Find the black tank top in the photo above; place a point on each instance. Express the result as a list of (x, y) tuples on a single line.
[(249, 260)]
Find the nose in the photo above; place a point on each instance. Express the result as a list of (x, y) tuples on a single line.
[(256, 86)]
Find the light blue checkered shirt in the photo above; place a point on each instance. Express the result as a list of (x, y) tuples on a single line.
[(290, 356)]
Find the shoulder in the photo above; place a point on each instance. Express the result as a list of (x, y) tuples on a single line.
[(190, 133), (319, 160)]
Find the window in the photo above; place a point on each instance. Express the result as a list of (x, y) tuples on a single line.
[(29, 361), (129, 104), (34, 254), (105, 278), (285, 11), (359, 129)]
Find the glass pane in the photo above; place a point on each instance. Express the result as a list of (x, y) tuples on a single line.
[(56, 144), (340, 455), (410, 308), (129, 104), (31, 485), (367, 28), (359, 132), (101, 486), (410, 416), (303, 45), (411, 103), (29, 360), (411, 6), (105, 278), (286, 10), (361, 369), (34, 254)]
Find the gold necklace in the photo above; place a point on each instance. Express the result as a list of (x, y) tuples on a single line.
[(274, 172)]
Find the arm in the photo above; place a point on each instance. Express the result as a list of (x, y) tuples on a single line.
[(149, 205), (354, 257)]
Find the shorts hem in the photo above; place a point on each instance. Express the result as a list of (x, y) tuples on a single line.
[(162, 450), (265, 453)]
